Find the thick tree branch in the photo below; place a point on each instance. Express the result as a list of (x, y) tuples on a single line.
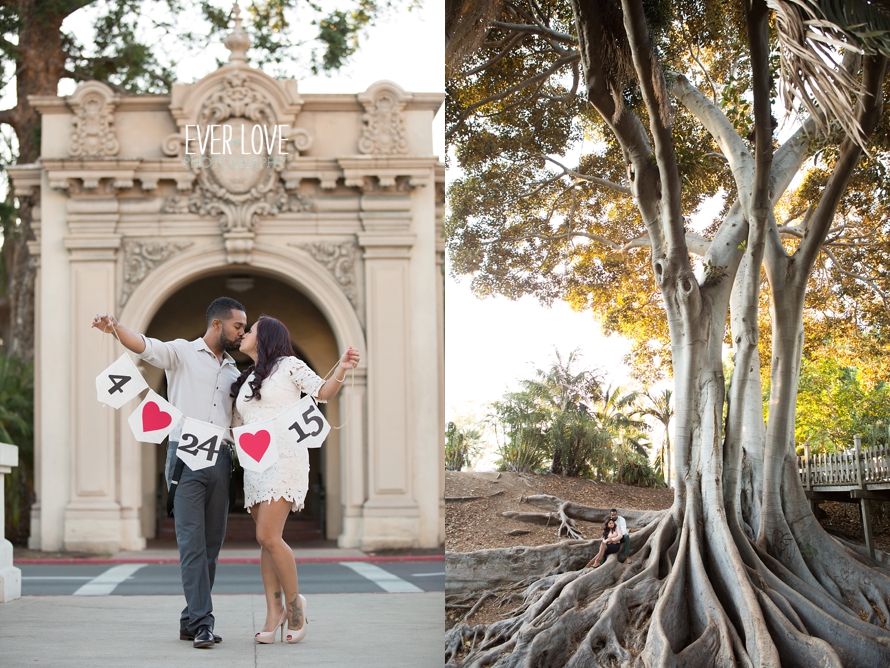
[(624, 124), (657, 100), (869, 110), (697, 244), (10, 117), (536, 29), (721, 130)]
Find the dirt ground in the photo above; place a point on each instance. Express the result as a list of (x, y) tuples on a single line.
[(474, 503), (476, 523)]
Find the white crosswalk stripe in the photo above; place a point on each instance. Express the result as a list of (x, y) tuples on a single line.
[(104, 584), (383, 579)]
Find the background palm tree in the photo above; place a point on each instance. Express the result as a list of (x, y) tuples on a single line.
[(663, 411), (462, 444), (573, 432), (520, 421)]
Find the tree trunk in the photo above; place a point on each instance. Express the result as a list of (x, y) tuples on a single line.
[(40, 67), (738, 572)]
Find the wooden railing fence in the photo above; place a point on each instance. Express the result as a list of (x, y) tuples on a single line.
[(849, 468)]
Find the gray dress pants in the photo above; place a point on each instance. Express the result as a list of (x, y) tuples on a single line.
[(200, 511)]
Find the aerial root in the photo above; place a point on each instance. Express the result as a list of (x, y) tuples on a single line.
[(855, 641), (578, 618), (797, 648), (680, 602)]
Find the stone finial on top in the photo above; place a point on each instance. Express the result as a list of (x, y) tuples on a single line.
[(383, 124), (237, 41)]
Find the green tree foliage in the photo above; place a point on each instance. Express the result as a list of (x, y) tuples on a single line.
[(619, 416), (16, 428), (519, 420), (524, 220), (574, 435), (582, 426), (834, 403), (462, 445), (662, 409)]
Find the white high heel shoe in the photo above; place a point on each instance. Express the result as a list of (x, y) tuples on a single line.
[(296, 635), (268, 637)]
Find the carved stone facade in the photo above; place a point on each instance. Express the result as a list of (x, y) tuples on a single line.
[(330, 220), (93, 135), (141, 257), (383, 126), (339, 259)]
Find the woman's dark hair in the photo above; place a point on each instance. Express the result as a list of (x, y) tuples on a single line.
[(606, 529), (272, 342)]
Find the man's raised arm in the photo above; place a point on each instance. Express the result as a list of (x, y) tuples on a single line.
[(130, 340)]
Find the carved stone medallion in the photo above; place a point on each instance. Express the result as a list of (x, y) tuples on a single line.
[(243, 183)]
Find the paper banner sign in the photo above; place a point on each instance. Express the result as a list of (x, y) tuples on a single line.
[(200, 444), (256, 445), (120, 382), (304, 424), (154, 419)]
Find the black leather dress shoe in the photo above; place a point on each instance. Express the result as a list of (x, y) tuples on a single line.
[(186, 635), (204, 638)]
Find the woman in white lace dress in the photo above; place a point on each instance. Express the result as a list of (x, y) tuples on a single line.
[(272, 384)]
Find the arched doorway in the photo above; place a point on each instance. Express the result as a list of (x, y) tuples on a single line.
[(181, 315)]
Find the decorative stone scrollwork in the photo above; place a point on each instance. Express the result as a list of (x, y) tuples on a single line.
[(141, 256), (383, 127), (239, 188), (339, 259), (93, 135)]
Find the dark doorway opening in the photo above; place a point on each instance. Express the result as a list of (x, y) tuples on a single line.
[(182, 316)]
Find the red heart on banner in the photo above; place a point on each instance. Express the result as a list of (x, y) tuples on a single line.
[(153, 418), (256, 444)]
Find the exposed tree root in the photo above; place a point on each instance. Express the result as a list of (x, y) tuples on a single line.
[(687, 599), (564, 513)]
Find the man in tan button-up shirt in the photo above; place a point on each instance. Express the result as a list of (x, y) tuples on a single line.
[(200, 374)]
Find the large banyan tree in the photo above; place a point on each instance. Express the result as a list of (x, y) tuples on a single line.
[(664, 105)]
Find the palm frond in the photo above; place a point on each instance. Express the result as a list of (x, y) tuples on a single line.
[(814, 34)]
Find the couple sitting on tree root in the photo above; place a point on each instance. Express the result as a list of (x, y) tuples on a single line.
[(614, 537)]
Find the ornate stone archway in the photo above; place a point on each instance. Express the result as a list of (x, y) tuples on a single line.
[(343, 201)]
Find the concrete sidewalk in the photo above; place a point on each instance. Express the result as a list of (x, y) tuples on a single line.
[(345, 631)]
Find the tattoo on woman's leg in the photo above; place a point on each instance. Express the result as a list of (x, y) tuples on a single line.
[(296, 615), (277, 594)]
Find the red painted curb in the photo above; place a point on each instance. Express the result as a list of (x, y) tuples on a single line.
[(225, 560)]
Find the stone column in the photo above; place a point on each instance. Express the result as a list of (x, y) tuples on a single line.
[(52, 376), (353, 480), (10, 576), (93, 514), (440, 333), (391, 515), (426, 357)]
